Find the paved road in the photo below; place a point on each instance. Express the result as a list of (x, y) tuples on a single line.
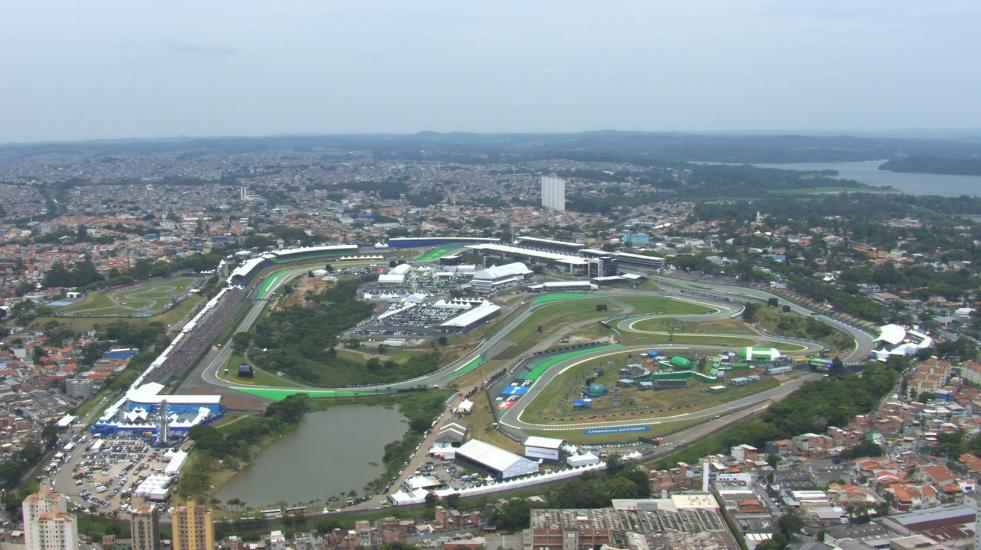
[(863, 340), (444, 375), (724, 300)]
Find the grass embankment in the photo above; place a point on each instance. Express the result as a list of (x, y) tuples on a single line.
[(152, 297), (482, 421), (436, 253), (550, 317), (81, 324), (554, 403), (637, 339), (796, 325), (260, 378), (665, 324), (812, 408), (667, 306), (578, 436)]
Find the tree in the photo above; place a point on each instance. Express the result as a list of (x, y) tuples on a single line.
[(207, 437), (837, 369), (452, 501), (790, 524), (749, 312), (431, 500), (241, 342), (777, 542), (773, 459), (513, 515)]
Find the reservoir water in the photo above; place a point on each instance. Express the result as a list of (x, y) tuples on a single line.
[(330, 452), (868, 172)]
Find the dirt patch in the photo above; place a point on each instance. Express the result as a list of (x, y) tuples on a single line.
[(301, 286)]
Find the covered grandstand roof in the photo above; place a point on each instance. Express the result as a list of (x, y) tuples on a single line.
[(558, 285), (893, 334), (314, 249), (543, 442), (149, 393), (502, 271), (472, 316), (246, 268), (529, 253), (639, 257), (496, 458), (548, 242)]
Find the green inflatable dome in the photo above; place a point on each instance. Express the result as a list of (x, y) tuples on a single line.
[(596, 390), (680, 362)]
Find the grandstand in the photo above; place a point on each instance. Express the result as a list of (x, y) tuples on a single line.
[(547, 244), (575, 265), (414, 242), (139, 411)]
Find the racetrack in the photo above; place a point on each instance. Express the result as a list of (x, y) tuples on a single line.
[(723, 301)]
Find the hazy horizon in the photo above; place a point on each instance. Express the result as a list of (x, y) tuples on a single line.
[(110, 69)]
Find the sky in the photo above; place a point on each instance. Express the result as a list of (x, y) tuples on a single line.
[(73, 70)]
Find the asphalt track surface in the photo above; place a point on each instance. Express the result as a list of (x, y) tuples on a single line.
[(209, 375), (724, 301)]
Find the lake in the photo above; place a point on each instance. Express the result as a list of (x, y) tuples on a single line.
[(330, 452), (868, 172)]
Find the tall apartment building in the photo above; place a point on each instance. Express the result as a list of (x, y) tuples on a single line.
[(144, 528), (553, 193), (79, 387), (47, 523), (192, 527)]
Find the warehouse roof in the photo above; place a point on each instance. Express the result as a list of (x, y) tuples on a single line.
[(488, 455), (472, 316), (501, 271)]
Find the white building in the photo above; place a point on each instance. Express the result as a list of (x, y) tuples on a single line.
[(503, 463), (553, 193), (47, 523), (469, 319), (395, 275), (499, 277), (542, 447)]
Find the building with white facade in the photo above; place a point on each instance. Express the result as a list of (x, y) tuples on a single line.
[(502, 463), (553, 193), (47, 523)]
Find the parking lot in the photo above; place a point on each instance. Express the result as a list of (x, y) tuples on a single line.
[(101, 473), (452, 475)]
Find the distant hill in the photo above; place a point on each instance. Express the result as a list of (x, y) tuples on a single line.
[(607, 145)]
